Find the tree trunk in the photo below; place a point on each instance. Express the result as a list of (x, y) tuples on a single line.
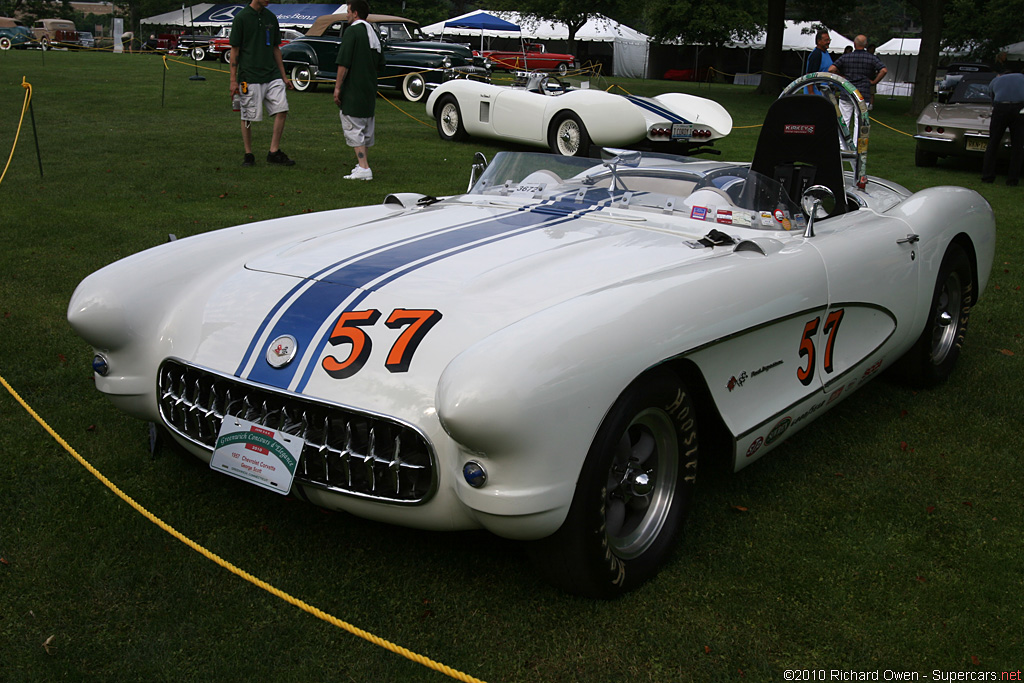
[(772, 80), (928, 58)]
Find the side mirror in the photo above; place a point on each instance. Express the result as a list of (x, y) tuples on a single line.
[(817, 202), (478, 167)]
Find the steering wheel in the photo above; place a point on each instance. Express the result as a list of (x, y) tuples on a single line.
[(851, 114), (552, 78)]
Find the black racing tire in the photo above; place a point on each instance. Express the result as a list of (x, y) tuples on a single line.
[(568, 136), (449, 119), (930, 361), (632, 495), (414, 87), (925, 159), (303, 78)]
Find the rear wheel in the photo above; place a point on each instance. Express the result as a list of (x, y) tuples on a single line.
[(302, 78), (632, 495), (931, 359), (449, 119), (924, 158), (568, 136), (414, 87)]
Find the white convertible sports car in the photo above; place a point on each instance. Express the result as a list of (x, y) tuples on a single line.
[(542, 110), (549, 355)]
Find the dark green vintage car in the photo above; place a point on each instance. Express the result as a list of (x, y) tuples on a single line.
[(14, 34), (415, 65)]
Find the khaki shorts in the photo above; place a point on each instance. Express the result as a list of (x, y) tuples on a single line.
[(358, 130), (256, 95)]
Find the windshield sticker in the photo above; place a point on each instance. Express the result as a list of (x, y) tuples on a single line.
[(724, 217)]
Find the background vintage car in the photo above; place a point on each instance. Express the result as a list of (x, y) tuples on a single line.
[(534, 57), (550, 356), (415, 65), (13, 33), (541, 110), (219, 46), (957, 125), (60, 32)]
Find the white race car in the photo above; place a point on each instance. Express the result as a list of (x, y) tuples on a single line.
[(542, 110), (550, 355)]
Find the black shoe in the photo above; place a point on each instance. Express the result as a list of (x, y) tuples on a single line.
[(279, 158), (249, 160), (1012, 182)]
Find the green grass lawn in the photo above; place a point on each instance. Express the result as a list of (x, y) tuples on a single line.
[(888, 536)]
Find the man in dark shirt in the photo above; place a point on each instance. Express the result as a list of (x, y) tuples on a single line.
[(1007, 101), (258, 77), (860, 67)]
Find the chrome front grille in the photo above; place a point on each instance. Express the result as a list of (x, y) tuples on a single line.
[(344, 450)]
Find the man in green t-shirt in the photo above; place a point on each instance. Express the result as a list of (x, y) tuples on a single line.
[(258, 77), (360, 58)]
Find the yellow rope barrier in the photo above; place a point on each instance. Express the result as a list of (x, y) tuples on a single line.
[(24, 108), (320, 614)]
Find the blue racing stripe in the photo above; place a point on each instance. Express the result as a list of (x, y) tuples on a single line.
[(656, 108), (304, 316)]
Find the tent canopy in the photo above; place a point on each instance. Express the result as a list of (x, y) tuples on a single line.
[(214, 15), (482, 21), (798, 37), (597, 29)]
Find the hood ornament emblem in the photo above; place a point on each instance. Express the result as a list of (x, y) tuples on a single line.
[(282, 351)]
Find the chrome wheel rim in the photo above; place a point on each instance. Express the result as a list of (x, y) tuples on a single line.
[(641, 483), (944, 318), (301, 77), (415, 86), (568, 138), (450, 119)]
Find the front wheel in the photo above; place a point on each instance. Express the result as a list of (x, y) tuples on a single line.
[(632, 494), (930, 361), (5, 43), (568, 136), (302, 78), (449, 119), (563, 68), (414, 87), (198, 53), (226, 56)]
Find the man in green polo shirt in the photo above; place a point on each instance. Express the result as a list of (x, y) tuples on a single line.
[(360, 58), (258, 77)]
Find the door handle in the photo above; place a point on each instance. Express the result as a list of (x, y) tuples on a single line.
[(909, 239)]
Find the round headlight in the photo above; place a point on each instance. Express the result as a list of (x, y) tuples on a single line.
[(100, 365)]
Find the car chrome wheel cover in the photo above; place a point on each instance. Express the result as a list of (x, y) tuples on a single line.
[(945, 327), (414, 87), (568, 137), (450, 119), (5, 43), (641, 483), (301, 77)]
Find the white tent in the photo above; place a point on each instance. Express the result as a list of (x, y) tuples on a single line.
[(1015, 51), (630, 47), (797, 37), (179, 17), (900, 57)]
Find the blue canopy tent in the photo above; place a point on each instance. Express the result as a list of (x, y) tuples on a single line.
[(487, 24)]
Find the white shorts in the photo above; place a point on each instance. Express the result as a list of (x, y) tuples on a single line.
[(257, 95), (358, 130)]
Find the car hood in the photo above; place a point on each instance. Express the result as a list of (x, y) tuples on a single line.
[(961, 115)]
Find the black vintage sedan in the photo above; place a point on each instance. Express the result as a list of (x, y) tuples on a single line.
[(415, 65)]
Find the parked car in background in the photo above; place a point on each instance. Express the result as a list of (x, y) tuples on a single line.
[(219, 46), (954, 72), (534, 57), (13, 33), (56, 32), (86, 39), (957, 124), (542, 111), (415, 65)]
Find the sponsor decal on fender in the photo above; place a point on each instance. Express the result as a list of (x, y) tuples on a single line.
[(779, 429), (755, 446)]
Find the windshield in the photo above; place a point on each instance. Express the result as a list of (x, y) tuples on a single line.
[(661, 182), (973, 90)]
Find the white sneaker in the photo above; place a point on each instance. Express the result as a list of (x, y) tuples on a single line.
[(360, 173)]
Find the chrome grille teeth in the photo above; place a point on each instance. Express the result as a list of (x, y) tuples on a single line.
[(344, 451)]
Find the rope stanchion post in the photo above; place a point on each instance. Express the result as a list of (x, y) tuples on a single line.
[(35, 134)]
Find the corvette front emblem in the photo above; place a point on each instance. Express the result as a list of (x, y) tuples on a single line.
[(281, 351)]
